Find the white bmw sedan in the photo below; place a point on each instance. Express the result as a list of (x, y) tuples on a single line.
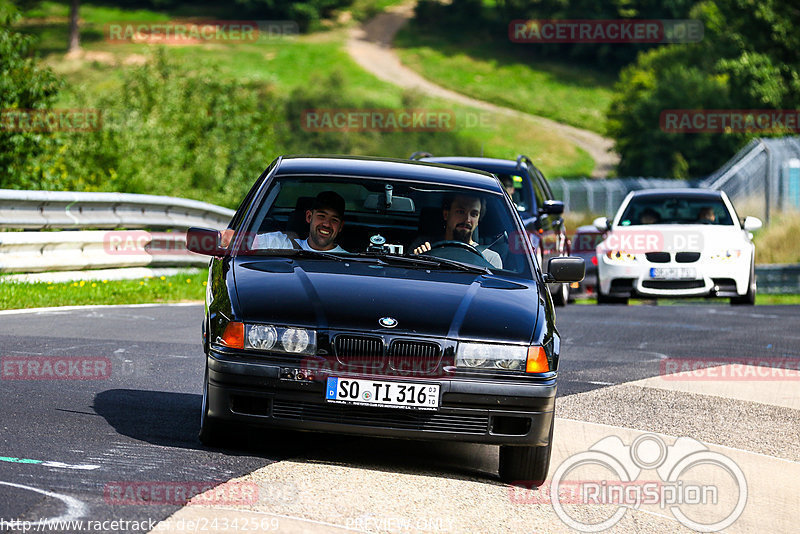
[(676, 243)]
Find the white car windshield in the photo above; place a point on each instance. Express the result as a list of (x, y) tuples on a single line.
[(655, 209)]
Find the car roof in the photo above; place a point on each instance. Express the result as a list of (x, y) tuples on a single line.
[(678, 192), (373, 167), (494, 165)]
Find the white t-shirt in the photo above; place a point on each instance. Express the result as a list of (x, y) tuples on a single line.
[(279, 240)]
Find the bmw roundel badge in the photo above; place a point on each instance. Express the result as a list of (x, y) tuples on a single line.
[(387, 322)]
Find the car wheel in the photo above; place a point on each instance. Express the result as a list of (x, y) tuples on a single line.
[(213, 432), (561, 295), (526, 464), (749, 298), (602, 298)]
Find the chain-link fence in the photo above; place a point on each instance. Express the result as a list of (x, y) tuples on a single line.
[(605, 196)]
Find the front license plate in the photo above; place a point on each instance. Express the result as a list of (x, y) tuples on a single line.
[(379, 393), (672, 273)]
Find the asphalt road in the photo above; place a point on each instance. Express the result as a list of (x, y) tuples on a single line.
[(66, 444)]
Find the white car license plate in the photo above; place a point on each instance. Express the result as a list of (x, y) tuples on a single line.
[(673, 273), (380, 393)]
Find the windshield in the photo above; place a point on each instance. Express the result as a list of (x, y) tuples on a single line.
[(425, 226), (675, 210)]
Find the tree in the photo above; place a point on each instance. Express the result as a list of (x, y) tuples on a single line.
[(74, 31), (749, 58), (24, 85)]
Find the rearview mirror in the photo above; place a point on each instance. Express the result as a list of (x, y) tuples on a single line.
[(565, 269), (602, 224), (204, 241), (751, 224), (552, 207)]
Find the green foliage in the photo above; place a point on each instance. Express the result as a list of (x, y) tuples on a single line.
[(170, 129), (25, 85), (748, 59)]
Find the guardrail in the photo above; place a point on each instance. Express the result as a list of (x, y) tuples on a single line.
[(70, 246), (778, 279), (42, 210)]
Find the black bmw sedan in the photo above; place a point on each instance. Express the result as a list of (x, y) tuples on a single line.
[(382, 297)]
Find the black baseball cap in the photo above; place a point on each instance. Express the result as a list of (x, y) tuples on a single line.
[(329, 200)]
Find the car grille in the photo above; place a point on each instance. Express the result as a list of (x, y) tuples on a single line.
[(657, 257), (672, 284), (363, 352), (687, 257), (415, 356), (383, 418)]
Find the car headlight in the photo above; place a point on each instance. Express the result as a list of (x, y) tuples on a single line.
[(292, 340), (500, 357), (727, 255), (620, 255)]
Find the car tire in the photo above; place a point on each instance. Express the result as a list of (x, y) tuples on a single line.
[(561, 295), (526, 464), (213, 432), (602, 298), (749, 298)]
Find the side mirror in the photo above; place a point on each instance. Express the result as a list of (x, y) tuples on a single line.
[(552, 207), (602, 224), (751, 224), (204, 241), (565, 269)]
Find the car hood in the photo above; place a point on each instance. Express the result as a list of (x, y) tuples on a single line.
[(354, 296), (673, 238)]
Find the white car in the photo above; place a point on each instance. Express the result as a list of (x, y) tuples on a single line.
[(676, 243)]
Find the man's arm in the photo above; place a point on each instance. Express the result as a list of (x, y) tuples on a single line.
[(277, 240)]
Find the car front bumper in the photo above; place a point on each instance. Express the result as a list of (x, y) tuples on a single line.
[(478, 411), (633, 279)]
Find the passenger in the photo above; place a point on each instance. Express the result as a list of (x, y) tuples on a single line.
[(325, 219), (649, 216), (461, 214), (706, 215)]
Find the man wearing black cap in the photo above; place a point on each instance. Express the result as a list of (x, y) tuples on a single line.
[(325, 219)]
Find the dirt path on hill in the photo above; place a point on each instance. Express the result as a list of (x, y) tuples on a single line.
[(370, 45)]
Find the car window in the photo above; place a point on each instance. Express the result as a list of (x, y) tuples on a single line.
[(522, 195), (388, 217), (676, 210)]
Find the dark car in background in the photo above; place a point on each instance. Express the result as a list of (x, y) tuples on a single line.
[(372, 338), (541, 213), (583, 244)]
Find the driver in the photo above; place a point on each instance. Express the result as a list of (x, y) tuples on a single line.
[(461, 215), (325, 219)]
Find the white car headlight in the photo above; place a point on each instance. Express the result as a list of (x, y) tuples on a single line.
[(280, 339), (489, 356), (620, 255)]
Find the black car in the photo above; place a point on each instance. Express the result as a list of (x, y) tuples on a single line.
[(533, 198), (338, 301)]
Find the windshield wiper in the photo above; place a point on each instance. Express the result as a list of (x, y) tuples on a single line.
[(433, 261), (303, 253)]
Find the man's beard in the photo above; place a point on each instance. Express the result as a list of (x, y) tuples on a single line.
[(462, 234)]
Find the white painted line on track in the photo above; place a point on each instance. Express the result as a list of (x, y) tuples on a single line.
[(75, 508)]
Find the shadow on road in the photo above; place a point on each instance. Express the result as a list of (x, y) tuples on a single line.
[(173, 420)]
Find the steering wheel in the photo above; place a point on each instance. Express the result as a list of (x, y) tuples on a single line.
[(458, 244)]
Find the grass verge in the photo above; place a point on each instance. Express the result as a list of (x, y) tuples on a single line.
[(508, 77), (177, 288)]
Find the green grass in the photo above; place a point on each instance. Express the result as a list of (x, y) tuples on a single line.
[(177, 288), (508, 76)]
